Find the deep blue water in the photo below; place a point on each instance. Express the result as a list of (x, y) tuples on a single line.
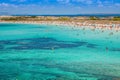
[(77, 15)]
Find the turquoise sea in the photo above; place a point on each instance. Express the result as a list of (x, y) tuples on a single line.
[(50, 52)]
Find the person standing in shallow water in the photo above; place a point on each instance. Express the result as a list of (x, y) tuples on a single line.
[(106, 48)]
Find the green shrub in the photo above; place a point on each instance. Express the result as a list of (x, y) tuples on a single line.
[(64, 18), (116, 18), (94, 18)]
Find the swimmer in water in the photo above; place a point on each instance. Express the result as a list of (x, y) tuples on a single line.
[(106, 48)]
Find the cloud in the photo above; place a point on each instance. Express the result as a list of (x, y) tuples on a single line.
[(7, 5), (4, 4), (84, 1), (117, 4), (100, 4), (18, 0), (63, 1)]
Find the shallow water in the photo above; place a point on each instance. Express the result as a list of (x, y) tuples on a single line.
[(49, 52)]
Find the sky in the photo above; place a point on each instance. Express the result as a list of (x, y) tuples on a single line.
[(49, 7)]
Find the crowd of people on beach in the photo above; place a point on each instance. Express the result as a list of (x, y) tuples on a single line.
[(110, 26)]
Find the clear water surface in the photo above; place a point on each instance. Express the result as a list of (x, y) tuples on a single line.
[(49, 52)]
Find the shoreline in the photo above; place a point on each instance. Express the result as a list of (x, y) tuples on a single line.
[(85, 24)]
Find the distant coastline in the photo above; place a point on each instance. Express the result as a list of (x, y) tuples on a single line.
[(68, 15)]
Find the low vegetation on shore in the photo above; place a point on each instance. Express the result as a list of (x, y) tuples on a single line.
[(81, 19), (62, 18)]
